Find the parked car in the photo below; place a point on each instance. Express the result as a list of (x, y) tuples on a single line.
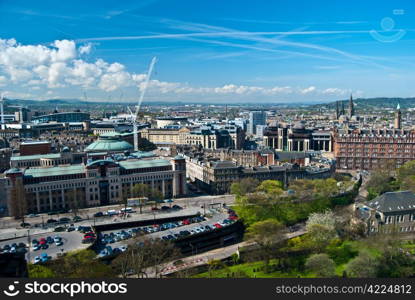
[(36, 247), (25, 225), (21, 250), (88, 240), (77, 219), (59, 229), (37, 260), (44, 257), (49, 240), (70, 228), (178, 207), (64, 220), (50, 221), (165, 208), (98, 214), (32, 215), (21, 245)]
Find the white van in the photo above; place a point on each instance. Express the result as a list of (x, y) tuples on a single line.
[(127, 210), (112, 212)]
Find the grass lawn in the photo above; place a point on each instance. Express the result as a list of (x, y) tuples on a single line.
[(248, 270)]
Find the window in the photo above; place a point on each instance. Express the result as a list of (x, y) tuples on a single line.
[(389, 220)]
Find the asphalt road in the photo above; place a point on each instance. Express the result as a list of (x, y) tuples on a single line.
[(71, 241)]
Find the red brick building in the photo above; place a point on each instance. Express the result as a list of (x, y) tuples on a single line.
[(35, 147), (371, 149)]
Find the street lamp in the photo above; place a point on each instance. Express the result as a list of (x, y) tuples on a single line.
[(29, 241)]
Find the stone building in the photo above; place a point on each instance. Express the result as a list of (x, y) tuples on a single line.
[(390, 212), (216, 176), (100, 182)]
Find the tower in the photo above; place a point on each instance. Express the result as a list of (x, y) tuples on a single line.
[(342, 112), (179, 177), (337, 110), (398, 117), (351, 107)]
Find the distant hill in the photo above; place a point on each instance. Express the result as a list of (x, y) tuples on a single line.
[(361, 103), (367, 103)]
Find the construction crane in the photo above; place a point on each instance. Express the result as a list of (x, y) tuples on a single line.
[(140, 100)]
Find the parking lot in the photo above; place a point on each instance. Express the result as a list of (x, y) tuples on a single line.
[(119, 240), (71, 241)]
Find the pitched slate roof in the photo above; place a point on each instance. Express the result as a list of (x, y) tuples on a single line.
[(394, 202)]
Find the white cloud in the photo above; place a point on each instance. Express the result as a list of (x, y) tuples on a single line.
[(85, 49), (61, 65), (335, 91), (308, 90)]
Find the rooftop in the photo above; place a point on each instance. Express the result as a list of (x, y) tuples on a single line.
[(144, 163), (37, 156), (34, 142), (109, 144), (394, 201), (54, 171)]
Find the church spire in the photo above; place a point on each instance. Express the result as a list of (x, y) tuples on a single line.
[(337, 110), (398, 117), (351, 106)]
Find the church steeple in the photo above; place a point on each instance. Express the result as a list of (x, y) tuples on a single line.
[(337, 110), (351, 107), (398, 117)]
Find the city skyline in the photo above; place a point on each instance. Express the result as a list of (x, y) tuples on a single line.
[(233, 51)]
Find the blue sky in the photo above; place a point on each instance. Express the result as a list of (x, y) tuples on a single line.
[(233, 51)]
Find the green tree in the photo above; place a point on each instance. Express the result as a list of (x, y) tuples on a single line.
[(380, 181), (394, 262), (271, 187), (406, 176), (321, 227), (145, 257), (141, 190), (363, 266), (341, 252), (321, 265), (267, 234), (80, 264), (244, 186), (38, 271)]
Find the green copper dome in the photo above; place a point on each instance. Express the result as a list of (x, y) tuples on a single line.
[(109, 145)]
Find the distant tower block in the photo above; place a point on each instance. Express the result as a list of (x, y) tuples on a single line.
[(398, 118), (351, 107)]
